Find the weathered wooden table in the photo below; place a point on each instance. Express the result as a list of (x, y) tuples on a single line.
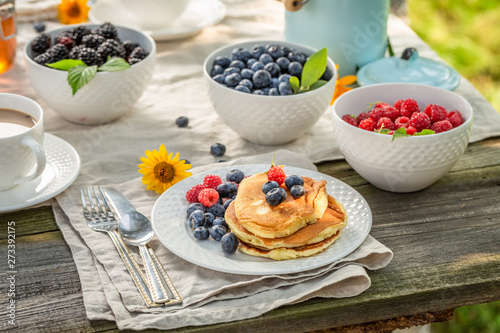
[(446, 243)]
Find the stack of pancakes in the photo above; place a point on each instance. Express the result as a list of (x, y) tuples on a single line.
[(295, 228)]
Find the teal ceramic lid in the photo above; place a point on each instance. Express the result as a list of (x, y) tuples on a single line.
[(410, 68)]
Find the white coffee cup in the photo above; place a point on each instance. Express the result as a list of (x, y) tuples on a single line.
[(22, 158), (155, 14)]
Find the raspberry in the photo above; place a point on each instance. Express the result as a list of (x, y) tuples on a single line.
[(192, 194), (66, 41), (277, 174), (377, 113), (367, 124), (362, 116), (455, 118), (212, 181), (382, 105), (420, 121), (435, 112), (409, 107), (410, 130), (386, 122), (391, 112), (350, 120), (208, 197), (398, 104), (391, 132), (402, 122), (441, 126)]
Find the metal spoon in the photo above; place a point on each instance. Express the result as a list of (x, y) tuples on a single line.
[(136, 230)]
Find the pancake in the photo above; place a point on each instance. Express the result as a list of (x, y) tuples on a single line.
[(263, 220), (289, 253), (333, 220)]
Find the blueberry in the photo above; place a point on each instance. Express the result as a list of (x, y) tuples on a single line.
[(216, 70), (273, 69), (285, 89), (266, 58), (196, 219), (232, 80), (219, 78), (217, 231), (284, 78), (295, 69), (327, 75), (217, 209), (235, 176), (261, 78), (257, 51), (240, 53), (222, 61), (220, 221), (232, 70), (297, 56), (247, 83), (247, 73), (39, 26), (227, 190), (276, 196), (227, 203), (297, 191), (274, 82), (201, 233), (238, 64), (269, 185), (209, 219), (195, 206), (257, 66), (250, 62), (266, 90), (220, 161), (217, 149), (274, 92), (242, 88), (229, 243), (287, 50), (292, 180), (283, 63), (186, 161), (258, 92), (182, 121), (275, 51)]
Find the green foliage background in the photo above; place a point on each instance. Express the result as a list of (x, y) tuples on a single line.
[(466, 34)]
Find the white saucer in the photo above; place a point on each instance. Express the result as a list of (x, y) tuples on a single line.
[(63, 166), (199, 15)]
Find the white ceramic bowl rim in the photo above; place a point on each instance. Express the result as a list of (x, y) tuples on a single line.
[(418, 137), (222, 51)]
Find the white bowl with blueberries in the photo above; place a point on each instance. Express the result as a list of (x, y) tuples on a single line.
[(250, 89), (113, 89)]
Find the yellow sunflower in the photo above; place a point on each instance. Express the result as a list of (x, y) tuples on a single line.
[(72, 11), (161, 170), (340, 86)]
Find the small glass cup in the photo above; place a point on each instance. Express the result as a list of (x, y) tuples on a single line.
[(8, 43)]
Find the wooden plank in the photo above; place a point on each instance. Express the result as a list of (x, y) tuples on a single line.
[(30, 221)]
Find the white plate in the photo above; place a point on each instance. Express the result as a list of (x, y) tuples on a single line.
[(199, 15), (63, 166), (170, 225)]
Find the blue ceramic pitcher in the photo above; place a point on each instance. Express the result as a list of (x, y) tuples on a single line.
[(354, 31)]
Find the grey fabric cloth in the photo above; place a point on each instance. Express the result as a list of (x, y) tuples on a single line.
[(208, 296)]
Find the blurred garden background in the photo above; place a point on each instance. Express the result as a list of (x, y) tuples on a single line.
[(466, 34)]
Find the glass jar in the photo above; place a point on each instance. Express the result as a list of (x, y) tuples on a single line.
[(8, 43)]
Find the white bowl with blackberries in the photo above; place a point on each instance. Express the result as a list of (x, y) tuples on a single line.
[(90, 74), (270, 92)]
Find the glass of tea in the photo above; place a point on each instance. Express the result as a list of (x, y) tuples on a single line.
[(8, 42)]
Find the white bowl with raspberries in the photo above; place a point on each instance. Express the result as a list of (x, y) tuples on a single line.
[(109, 94), (402, 137), (265, 118)]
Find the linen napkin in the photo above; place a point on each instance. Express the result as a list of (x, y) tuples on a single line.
[(208, 296)]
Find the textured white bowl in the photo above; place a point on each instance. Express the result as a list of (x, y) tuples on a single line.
[(268, 120), (108, 96), (406, 164), (155, 14)]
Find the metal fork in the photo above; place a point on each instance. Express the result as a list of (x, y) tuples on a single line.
[(100, 218)]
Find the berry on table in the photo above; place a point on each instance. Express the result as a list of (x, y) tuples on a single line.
[(420, 121), (235, 176), (276, 196), (229, 243), (218, 149), (212, 181), (208, 197), (39, 26), (293, 180), (297, 191), (182, 121), (441, 126), (192, 194)]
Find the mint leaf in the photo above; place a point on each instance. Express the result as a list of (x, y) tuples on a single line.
[(425, 132), (114, 64), (314, 68), (80, 75), (66, 64), (400, 132), (294, 82)]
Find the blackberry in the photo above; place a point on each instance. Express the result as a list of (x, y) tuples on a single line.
[(44, 58), (111, 48), (139, 53), (58, 52), (93, 41), (79, 33), (90, 56), (108, 31), (133, 61), (130, 46), (73, 54), (41, 43), (64, 33)]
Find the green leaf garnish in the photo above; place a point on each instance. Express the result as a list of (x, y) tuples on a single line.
[(80, 75), (294, 82), (66, 64), (317, 84), (425, 132), (314, 68), (399, 133), (114, 64)]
